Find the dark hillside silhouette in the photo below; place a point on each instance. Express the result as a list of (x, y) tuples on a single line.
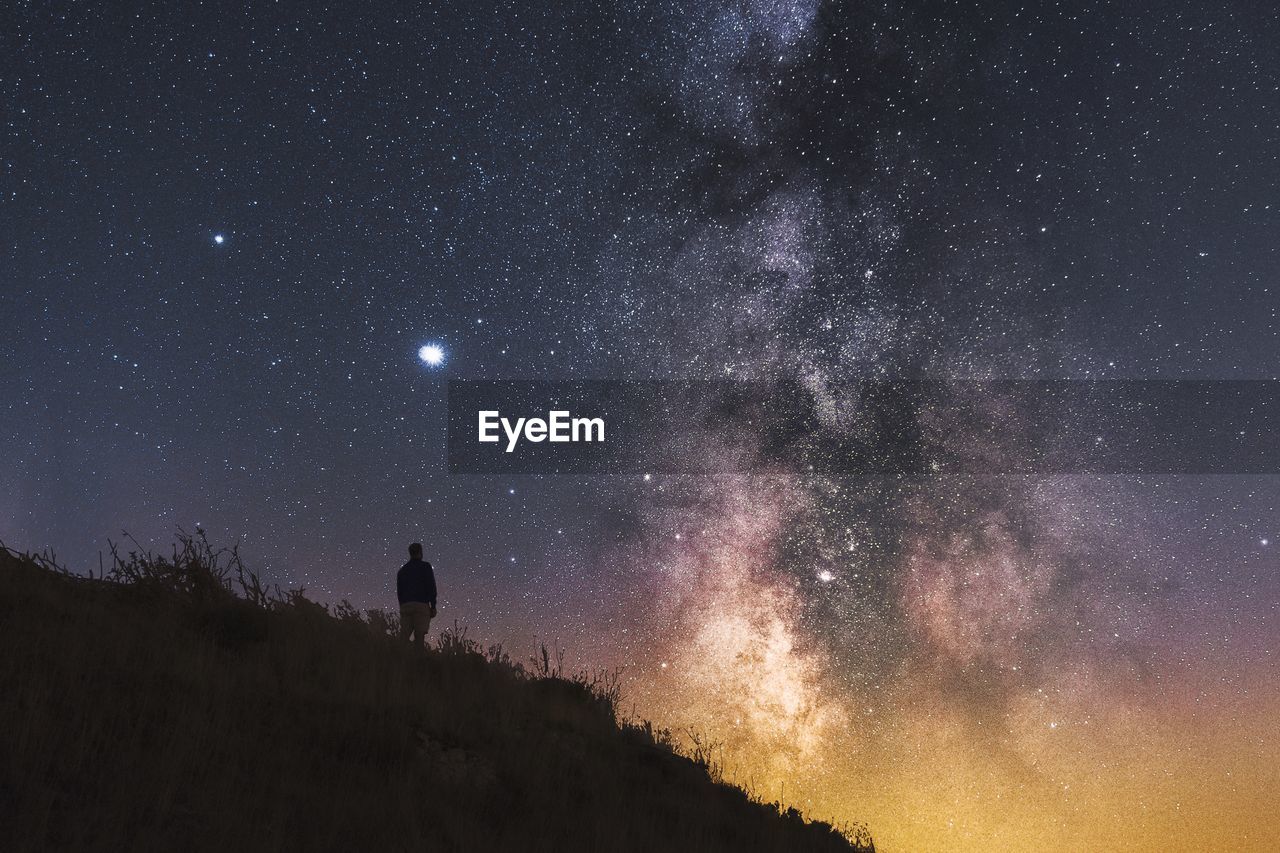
[(177, 704)]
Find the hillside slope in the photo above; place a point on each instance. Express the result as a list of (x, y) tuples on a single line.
[(156, 710)]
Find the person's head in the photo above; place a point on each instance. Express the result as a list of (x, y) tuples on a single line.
[(415, 551)]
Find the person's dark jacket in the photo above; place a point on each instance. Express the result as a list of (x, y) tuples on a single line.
[(416, 582)]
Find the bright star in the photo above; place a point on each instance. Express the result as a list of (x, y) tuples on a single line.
[(432, 355), (219, 239)]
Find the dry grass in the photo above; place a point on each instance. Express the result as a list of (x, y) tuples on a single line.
[(175, 703)]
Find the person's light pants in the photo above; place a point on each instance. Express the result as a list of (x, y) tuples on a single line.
[(415, 621)]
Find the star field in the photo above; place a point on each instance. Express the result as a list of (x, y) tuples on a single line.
[(242, 252)]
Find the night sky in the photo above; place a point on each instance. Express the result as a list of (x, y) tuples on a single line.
[(227, 231)]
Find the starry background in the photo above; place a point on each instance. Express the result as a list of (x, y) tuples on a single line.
[(226, 230)]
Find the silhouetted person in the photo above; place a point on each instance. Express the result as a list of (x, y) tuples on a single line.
[(416, 588)]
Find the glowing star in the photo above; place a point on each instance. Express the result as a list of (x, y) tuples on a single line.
[(826, 576), (218, 239), (432, 355)]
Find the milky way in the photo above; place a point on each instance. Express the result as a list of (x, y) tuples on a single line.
[(828, 629)]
